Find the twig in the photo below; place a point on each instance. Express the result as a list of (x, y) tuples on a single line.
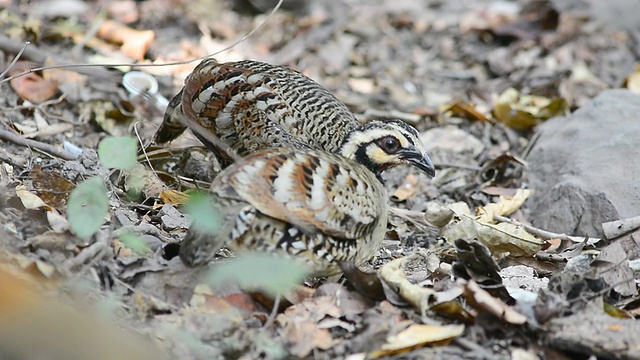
[(143, 148), (4, 156), (91, 252), (473, 347), (587, 297), (274, 312), (15, 60), (458, 166), (616, 228), (414, 217), (12, 46), (36, 55), (544, 233), (50, 149), (40, 106)]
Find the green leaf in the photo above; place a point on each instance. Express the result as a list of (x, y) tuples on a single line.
[(87, 207), (135, 243), (205, 217), (259, 271), (118, 152)]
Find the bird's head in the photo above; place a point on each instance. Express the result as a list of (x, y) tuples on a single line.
[(380, 145)]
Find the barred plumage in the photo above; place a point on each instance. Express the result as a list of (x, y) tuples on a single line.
[(308, 184), (310, 205), (251, 106)]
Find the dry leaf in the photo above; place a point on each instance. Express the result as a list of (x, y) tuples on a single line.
[(300, 324), (506, 205), (463, 109), (52, 241), (407, 189), (520, 111), (30, 200), (51, 187), (57, 222), (33, 87), (173, 197), (612, 266), (438, 215), (500, 239), (135, 43), (421, 298), (418, 335)]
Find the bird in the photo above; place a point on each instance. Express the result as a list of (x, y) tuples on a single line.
[(313, 206), (251, 106)]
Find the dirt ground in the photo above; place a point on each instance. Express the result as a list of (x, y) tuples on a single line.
[(449, 68)]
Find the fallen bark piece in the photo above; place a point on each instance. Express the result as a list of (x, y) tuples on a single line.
[(597, 334)]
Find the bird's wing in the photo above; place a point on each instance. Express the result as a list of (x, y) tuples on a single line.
[(312, 190)]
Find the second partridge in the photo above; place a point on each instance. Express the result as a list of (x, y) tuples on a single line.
[(251, 106)]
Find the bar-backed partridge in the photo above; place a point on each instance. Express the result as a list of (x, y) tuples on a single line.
[(251, 106), (314, 206)]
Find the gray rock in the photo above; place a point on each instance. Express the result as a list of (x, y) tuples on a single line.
[(619, 14), (585, 168), (172, 218)]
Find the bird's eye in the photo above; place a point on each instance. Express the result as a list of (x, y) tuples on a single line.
[(389, 144)]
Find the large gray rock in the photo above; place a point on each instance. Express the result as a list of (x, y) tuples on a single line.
[(585, 168)]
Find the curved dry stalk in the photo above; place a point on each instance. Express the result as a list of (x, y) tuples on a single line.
[(546, 234)]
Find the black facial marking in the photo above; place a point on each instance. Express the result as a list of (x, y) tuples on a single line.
[(362, 158)]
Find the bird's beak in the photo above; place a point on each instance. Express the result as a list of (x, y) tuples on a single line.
[(416, 158)]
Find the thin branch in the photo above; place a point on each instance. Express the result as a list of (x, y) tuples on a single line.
[(47, 148), (88, 254), (458, 166), (15, 60), (544, 233)]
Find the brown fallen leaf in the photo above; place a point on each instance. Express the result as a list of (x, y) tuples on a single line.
[(52, 241), (238, 305), (173, 197), (302, 330), (407, 189), (308, 324), (501, 170), (476, 263), (135, 43), (32, 86), (366, 284), (463, 109), (51, 187), (521, 111)]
